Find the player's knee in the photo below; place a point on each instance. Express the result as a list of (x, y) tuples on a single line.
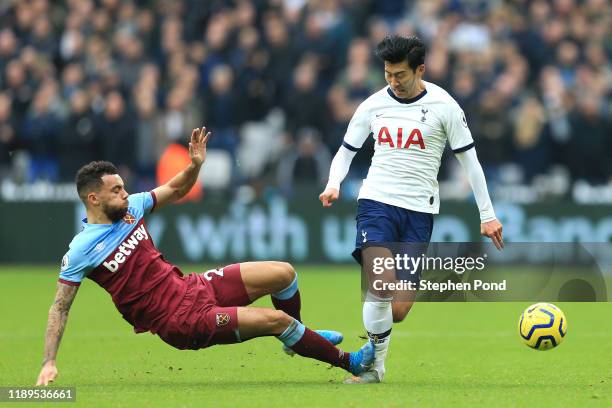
[(398, 317), (286, 273), (400, 312), (277, 321)]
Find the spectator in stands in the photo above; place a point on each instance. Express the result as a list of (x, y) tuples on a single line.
[(78, 142), (8, 138), (306, 164), (282, 55), (590, 134), (531, 138), (8, 47), (305, 105), (19, 88), (40, 132), (117, 132), (531, 76), (221, 110)]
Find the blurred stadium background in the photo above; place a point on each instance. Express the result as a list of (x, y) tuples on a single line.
[(277, 82)]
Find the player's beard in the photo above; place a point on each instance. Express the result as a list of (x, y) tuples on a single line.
[(115, 214)]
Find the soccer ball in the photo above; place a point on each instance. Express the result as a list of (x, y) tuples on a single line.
[(543, 326)]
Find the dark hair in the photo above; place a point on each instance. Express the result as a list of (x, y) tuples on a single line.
[(395, 48), (89, 177)]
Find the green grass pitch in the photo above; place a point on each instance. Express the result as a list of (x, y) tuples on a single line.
[(443, 354)]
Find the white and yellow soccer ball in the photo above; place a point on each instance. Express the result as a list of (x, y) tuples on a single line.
[(543, 326)]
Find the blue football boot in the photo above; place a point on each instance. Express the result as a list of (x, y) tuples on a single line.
[(360, 361)]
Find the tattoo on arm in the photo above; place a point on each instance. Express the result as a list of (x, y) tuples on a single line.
[(58, 316)]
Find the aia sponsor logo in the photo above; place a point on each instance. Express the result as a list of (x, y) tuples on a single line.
[(129, 219), (402, 140), (222, 319)]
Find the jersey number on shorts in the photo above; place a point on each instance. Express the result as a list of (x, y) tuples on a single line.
[(208, 276)]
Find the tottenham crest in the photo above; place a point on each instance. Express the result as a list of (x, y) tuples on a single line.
[(424, 112), (222, 319)]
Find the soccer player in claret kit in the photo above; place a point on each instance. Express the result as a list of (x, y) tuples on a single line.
[(194, 311), (411, 121)]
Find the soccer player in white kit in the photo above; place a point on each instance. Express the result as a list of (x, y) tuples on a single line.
[(410, 120)]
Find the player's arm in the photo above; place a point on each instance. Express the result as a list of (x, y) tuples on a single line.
[(460, 139), (182, 183), (337, 172), (489, 225), (356, 134), (56, 323)]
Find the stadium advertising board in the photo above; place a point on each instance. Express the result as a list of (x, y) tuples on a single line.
[(297, 230)]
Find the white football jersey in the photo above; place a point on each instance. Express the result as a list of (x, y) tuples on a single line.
[(409, 139)]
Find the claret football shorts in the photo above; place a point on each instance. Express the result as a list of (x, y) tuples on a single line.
[(208, 313)]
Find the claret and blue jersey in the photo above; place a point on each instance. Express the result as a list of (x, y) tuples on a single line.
[(122, 259), (92, 246)]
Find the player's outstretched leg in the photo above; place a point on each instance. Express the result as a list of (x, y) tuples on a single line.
[(277, 279), (280, 281), (332, 336), (256, 322), (288, 299)]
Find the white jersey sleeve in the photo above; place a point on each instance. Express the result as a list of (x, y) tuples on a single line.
[(471, 165), (457, 131), (339, 167), (356, 134), (358, 129)]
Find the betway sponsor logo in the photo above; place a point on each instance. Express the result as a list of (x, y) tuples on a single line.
[(126, 248)]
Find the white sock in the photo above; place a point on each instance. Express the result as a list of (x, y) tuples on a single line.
[(378, 319)]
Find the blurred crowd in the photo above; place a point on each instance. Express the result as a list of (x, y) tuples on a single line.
[(278, 80)]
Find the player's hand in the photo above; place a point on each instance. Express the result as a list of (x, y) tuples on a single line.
[(47, 374), (493, 230), (197, 145), (329, 196)]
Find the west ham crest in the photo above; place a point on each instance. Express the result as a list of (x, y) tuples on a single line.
[(129, 219), (222, 319)]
